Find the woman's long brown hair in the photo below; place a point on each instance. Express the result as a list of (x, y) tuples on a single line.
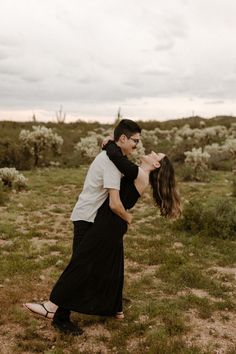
[(164, 191)]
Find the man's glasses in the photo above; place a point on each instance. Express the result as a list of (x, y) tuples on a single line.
[(136, 141)]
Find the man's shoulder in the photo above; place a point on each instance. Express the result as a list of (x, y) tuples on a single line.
[(101, 157), (103, 161)]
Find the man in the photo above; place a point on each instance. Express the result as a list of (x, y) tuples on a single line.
[(103, 179)]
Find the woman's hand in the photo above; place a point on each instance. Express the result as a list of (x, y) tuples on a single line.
[(105, 140)]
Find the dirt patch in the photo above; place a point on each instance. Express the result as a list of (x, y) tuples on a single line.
[(7, 337), (214, 334), (39, 243), (226, 270)]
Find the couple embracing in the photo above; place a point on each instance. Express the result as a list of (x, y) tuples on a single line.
[(92, 283)]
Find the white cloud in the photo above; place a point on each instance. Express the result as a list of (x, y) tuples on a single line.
[(97, 55)]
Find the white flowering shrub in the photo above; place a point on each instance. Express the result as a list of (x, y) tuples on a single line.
[(197, 160), (206, 135), (219, 157), (202, 124), (213, 149), (90, 146), (10, 177), (149, 140), (40, 140), (230, 146)]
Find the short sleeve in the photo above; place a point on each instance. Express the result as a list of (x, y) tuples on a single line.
[(111, 176)]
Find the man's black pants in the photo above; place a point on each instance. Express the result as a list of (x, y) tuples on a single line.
[(80, 229)]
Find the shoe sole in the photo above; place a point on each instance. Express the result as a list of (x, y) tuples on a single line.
[(36, 314)]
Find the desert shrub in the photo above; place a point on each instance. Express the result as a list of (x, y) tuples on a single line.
[(220, 157), (89, 146), (188, 174), (197, 160), (149, 139), (230, 146), (10, 177), (12, 154), (214, 219), (39, 141), (234, 187)]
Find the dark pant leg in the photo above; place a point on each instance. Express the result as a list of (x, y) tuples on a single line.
[(80, 229)]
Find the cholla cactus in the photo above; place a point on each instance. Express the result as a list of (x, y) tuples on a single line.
[(207, 134), (149, 139), (197, 160), (232, 130), (11, 177), (89, 146), (20, 181), (40, 140), (202, 124), (213, 149), (230, 146)]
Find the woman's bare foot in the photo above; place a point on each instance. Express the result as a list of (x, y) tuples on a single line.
[(46, 309)]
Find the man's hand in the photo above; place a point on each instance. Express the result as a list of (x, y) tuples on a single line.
[(117, 207), (129, 218)]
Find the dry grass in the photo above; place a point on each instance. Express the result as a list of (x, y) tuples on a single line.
[(179, 289)]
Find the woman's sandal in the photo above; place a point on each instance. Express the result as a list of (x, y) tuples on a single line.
[(119, 315), (46, 315)]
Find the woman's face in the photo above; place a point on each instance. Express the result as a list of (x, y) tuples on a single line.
[(153, 159)]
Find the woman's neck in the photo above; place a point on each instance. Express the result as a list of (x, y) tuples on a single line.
[(145, 167)]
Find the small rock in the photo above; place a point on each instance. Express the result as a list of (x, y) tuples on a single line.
[(212, 332), (59, 262), (42, 277)]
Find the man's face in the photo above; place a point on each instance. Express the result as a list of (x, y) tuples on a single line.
[(129, 145)]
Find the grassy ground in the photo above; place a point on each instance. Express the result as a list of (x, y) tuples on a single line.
[(179, 294)]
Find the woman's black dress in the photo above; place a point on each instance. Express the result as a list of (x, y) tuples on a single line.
[(92, 283)]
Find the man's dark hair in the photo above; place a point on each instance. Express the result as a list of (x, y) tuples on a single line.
[(127, 127)]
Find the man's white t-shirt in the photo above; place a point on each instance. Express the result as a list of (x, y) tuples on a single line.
[(101, 176)]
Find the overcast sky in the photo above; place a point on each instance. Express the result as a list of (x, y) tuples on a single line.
[(156, 59)]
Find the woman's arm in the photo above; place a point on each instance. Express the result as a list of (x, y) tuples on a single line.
[(124, 165), (142, 181)]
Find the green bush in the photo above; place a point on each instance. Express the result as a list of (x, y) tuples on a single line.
[(187, 174), (3, 194), (12, 154), (217, 219), (234, 187)]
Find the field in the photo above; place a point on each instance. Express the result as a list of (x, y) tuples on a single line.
[(180, 288)]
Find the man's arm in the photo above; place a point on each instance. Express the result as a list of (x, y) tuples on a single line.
[(117, 206), (124, 165)]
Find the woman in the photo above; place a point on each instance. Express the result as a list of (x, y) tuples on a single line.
[(99, 264)]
